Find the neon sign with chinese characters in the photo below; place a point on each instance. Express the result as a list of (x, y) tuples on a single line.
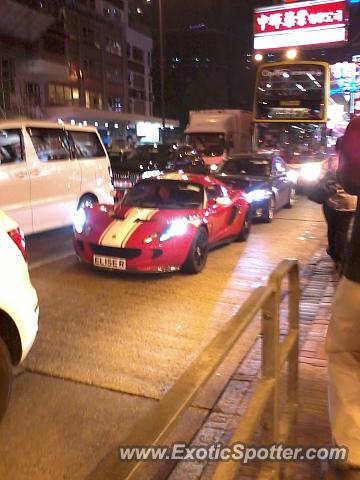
[(304, 23)]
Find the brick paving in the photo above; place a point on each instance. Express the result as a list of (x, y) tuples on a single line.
[(318, 283)]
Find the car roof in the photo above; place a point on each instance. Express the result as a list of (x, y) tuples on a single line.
[(29, 123)]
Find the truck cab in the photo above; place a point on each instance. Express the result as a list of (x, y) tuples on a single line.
[(216, 134)]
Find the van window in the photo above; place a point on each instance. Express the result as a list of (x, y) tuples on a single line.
[(50, 144), (11, 148), (87, 144)]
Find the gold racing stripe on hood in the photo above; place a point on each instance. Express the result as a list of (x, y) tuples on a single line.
[(119, 231)]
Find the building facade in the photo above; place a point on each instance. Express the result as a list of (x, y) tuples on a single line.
[(75, 61), (206, 47)]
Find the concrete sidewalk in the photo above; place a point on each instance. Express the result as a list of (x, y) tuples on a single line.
[(318, 284), (313, 423)]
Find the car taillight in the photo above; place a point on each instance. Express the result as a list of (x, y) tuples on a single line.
[(17, 236)]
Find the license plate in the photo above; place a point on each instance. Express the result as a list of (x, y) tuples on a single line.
[(112, 263)]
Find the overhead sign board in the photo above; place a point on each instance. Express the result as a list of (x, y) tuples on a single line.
[(309, 23)]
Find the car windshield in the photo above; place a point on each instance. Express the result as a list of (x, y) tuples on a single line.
[(208, 144), (165, 194), (247, 166)]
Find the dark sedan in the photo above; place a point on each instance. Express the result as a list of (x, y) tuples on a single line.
[(146, 161), (264, 178)]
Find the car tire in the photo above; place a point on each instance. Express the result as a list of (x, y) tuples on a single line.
[(197, 256), (245, 228), (87, 200), (5, 378), (270, 211), (292, 199)]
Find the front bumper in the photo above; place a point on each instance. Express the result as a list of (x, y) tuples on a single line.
[(27, 317), (162, 257), (259, 208)]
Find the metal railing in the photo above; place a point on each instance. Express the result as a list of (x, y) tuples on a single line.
[(159, 422)]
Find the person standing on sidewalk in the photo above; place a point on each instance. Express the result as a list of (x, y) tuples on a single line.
[(338, 211), (343, 339)]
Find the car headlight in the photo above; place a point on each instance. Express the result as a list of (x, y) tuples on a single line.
[(213, 167), (175, 229), (292, 176), (257, 195), (311, 171), (79, 220)]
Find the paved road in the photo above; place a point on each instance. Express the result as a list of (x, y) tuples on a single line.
[(110, 345)]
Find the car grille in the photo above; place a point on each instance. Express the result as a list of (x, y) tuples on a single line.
[(125, 180), (115, 252)]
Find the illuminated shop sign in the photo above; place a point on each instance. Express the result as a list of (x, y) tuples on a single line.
[(298, 24), (345, 77)]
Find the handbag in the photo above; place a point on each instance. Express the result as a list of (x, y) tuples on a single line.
[(321, 192)]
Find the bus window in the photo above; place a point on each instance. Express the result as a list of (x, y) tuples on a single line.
[(289, 91)]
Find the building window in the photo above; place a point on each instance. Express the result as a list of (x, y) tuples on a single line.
[(114, 75), (136, 94), (54, 43), (88, 3), (32, 93), (92, 68), (93, 100), (89, 37), (113, 46), (119, 4), (114, 104), (62, 95), (138, 54), (138, 81)]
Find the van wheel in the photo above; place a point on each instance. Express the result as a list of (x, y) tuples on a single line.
[(198, 252), (87, 201), (5, 378)]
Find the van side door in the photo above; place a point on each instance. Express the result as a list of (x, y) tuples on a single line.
[(55, 178), (94, 164), (14, 178)]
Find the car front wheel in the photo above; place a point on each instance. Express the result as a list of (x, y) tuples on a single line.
[(197, 256), (5, 378), (270, 211), (87, 200), (245, 229), (292, 199)]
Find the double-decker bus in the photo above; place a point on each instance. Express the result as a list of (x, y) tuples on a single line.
[(291, 113)]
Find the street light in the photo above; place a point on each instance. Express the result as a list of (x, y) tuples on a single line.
[(291, 54), (162, 75)]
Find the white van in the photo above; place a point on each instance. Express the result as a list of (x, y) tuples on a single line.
[(47, 170)]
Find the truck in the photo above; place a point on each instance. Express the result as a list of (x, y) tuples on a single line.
[(217, 134)]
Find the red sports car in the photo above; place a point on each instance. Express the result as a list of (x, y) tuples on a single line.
[(162, 224)]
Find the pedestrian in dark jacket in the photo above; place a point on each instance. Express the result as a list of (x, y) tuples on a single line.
[(338, 209)]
